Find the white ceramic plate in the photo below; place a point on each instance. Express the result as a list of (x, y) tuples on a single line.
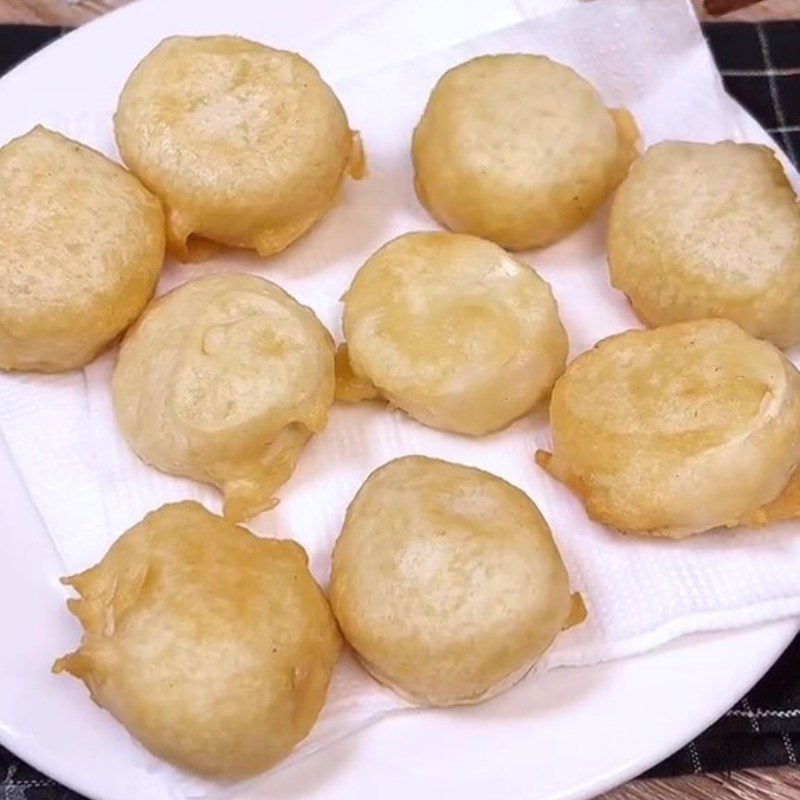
[(583, 730)]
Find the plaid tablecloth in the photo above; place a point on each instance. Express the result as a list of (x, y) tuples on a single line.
[(760, 65)]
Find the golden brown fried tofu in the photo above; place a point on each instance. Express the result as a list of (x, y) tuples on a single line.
[(709, 230), (224, 380), (213, 647), (453, 330), (245, 145), (446, 581), (518, 149), (676, 430), (81, 250)]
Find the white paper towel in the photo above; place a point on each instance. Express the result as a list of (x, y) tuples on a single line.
[(646, 55)]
